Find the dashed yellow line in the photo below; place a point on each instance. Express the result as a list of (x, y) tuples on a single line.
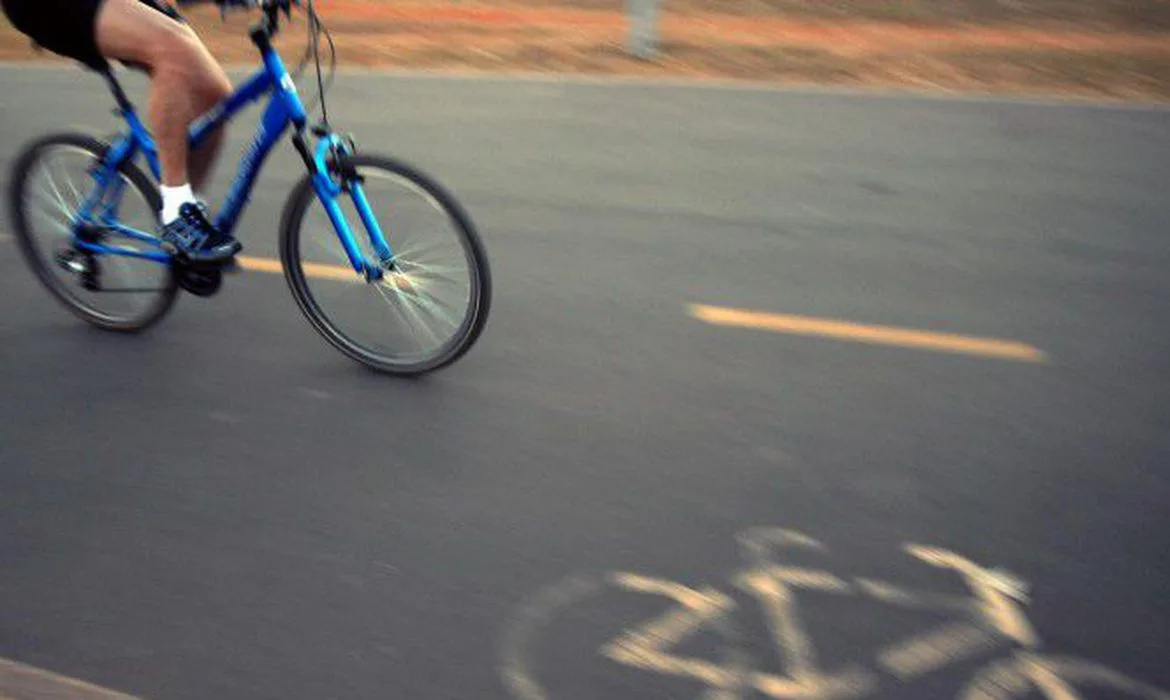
[(995, 348), (329, 272), (861, 333), (337, 273), (22, 682)]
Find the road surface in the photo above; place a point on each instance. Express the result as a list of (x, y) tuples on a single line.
[(706, 309)]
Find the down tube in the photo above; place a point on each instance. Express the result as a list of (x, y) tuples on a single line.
[(276, 119), (250, 91)]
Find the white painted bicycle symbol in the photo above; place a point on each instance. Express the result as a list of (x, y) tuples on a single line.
[(991, 619)]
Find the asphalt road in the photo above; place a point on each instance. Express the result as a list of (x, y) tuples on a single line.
[(227, 508)]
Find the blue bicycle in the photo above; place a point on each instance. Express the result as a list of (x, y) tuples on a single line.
[(421, 264)]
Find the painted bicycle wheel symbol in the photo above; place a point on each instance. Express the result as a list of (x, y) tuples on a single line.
[(991, 619)]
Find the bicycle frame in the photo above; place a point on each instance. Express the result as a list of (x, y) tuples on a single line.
[(284, 109)]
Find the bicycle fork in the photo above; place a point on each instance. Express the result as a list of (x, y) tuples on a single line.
[(334, 174)]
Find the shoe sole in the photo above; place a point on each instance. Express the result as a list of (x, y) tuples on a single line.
[(184, 258)]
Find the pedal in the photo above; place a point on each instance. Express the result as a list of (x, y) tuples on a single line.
[(181, 260), (202, 282)]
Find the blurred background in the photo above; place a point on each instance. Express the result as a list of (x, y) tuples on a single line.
[(844, 378), (1114, 48)]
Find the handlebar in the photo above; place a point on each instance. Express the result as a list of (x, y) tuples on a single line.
[(243, 4), (270, 10)]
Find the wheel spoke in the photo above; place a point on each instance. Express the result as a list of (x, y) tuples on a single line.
[(62, 206), (133, 292), (326, 241), (391, 302), (429, 293), (77, 198), (430, 303), (419, 251), (62, 228), (441, 272), (414, 315)]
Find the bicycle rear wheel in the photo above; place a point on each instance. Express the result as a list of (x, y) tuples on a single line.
[(52, 177), (417, 319)]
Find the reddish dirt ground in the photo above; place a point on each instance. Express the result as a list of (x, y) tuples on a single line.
[(1045, 55)]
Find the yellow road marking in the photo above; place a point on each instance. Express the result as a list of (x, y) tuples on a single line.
[(860, 333), (756, 320), (22, 682), (330, 272), (337, 273)]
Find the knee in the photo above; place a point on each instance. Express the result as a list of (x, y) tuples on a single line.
[(180, 53), (213, 86), (170, 47)]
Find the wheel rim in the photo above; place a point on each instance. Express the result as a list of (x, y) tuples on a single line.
[(416, 315), (55, 186)]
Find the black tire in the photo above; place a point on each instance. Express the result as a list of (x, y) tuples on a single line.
[(18, 197), (480, 285)]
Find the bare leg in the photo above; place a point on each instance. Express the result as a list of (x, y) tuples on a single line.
[(201, 161), (185, 82)]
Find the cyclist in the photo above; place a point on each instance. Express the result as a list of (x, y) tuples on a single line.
[(185, 82)]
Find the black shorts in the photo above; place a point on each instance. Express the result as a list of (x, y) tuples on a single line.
[(65, 27)]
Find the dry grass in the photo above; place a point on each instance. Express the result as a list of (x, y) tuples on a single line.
[(1099, 48), (1095, 15)]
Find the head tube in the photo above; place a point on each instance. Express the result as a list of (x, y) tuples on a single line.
[(285, 88)]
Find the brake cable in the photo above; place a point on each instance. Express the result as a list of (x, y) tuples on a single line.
[(315, 29)]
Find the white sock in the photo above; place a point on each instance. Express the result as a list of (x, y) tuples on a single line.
[(173, 198)]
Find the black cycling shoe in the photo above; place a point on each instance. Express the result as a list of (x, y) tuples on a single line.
[(193, 238)]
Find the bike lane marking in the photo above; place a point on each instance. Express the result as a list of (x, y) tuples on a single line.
[(993, 348), (728, 317), (838, 329), (991, 608), (318, 270)]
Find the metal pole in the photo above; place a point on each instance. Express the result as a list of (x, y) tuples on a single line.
[(643, 34)]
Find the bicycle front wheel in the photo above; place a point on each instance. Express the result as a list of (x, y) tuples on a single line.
[(426, 312), (50, 181)]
